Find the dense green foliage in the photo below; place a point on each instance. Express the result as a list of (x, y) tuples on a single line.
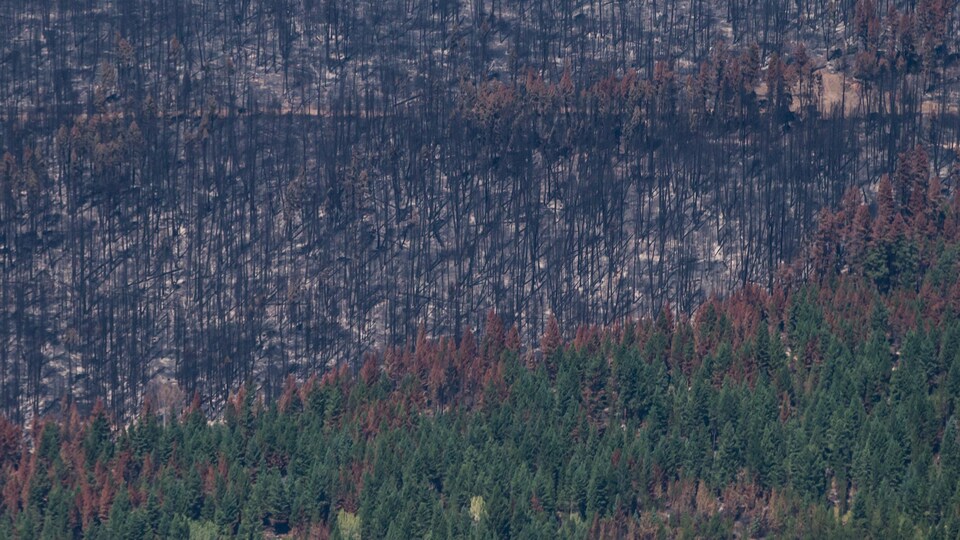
[(825, 407)]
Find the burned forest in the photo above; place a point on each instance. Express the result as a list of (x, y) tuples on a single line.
[(199, 193)]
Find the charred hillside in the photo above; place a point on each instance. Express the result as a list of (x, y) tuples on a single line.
[(194, 194)]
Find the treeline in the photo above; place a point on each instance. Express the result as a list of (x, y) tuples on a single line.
[(824, 408), (209, 192)]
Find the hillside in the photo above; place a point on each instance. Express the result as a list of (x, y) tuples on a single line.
[(197, 193)]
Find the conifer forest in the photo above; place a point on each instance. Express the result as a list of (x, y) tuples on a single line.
[(479, 269)]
